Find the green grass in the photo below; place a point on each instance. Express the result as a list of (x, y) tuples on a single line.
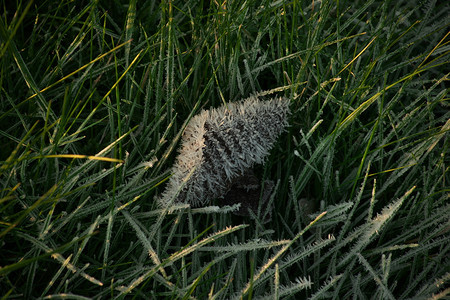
[(94, 98)]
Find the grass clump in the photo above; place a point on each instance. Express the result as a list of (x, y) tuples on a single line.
[(94, 99)]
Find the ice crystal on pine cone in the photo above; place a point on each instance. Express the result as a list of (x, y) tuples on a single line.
[(220, 144)]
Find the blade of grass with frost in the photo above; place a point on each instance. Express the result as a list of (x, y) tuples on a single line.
[(375, 227), (178, 255), (435, 220), (170, 59), (297, 257), (276, 282), (227, 282), (176, 223), (58, 257), (144, 240), (56, 276), (31, 83), (322, 292), (290, 290), (423, 248), (351, 236), (415, 155), (11, 160), (194, 284), (387, 294), (248, 246), (109, 226), (256, 278), (37, 93), (84, 168), (335, 214), (297, 286), (23, 263), (342, 239), (216, 209), (25, 213), (113, 87), (89, 232), (429, 290), (358, 197)]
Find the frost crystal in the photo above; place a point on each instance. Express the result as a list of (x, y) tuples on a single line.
[(220, 144)]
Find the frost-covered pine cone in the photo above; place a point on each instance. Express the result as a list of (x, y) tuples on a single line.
[(220, 144)]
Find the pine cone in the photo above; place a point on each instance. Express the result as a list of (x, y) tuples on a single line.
[(221, 144)]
